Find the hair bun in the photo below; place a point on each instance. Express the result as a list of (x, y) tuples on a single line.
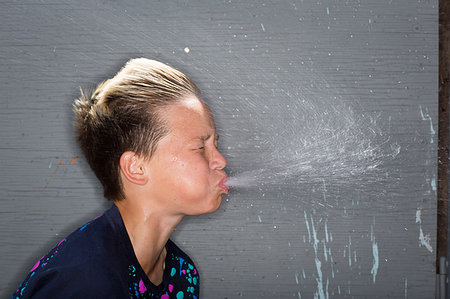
[(83, 106)]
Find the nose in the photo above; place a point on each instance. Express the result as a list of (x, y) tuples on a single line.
[(217, 161)]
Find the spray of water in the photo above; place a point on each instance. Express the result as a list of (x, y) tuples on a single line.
[(311, 135)]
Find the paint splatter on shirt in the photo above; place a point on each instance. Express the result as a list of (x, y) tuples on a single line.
[(97, 260)]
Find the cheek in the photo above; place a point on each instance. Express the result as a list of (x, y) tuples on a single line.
[(192, 171), (178, 165)]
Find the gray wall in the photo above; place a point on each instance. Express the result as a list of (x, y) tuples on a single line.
[(331, 106)]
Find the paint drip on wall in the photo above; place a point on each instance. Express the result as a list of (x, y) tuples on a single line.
[(424, 239)]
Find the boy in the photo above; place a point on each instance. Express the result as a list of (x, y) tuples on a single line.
[(152, 143)]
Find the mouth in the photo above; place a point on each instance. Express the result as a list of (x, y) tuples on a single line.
[(223, 185)]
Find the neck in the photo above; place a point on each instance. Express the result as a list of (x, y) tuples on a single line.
[(149, 230)]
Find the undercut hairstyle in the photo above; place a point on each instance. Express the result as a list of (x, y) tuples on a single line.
[(125, 113)]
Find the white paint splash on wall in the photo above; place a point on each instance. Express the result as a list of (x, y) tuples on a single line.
[(376, 260), (419, 216), (318, 263), (424, 239), (320, 291), (314, 233), (406, 288), (375, 265), (307, 227), (349, 251), (426, 116), (433, 184), (332, 262)]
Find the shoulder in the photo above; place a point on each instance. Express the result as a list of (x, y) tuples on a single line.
[(91, 244), (95, 243), (88, 261), (70, 282)]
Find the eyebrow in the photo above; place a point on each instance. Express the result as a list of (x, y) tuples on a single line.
[(206, 137)]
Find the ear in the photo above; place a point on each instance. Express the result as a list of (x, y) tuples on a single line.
[(133, 168)]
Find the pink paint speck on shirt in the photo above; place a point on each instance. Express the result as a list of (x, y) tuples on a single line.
[(165, 296), (35, 266), (170, 288), (61, 242), (142, 288)]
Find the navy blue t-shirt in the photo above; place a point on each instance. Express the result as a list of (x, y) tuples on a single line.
[(98, 261)]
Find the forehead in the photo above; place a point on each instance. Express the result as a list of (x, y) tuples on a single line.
[(189, 117)]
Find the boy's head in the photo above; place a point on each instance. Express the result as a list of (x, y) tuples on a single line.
[(124, 113)]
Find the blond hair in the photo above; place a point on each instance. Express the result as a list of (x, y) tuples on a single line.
[(124, 114)]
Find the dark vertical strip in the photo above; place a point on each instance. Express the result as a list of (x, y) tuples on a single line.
[(443, 132)]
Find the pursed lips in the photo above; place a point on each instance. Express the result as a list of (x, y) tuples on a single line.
[(222, 184)]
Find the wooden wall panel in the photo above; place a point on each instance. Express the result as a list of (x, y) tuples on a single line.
[(330, 105)]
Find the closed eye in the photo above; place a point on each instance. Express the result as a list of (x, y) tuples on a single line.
[(216, 140)]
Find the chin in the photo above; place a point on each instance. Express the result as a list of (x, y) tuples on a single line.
[(216, 207), (213, 207)]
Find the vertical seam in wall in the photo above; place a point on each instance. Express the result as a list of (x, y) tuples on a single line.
[(443, 133)]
